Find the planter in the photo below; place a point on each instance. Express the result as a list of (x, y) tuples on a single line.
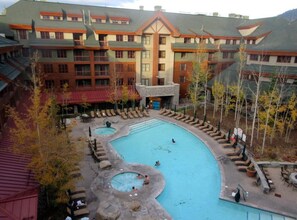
[(251, 172)]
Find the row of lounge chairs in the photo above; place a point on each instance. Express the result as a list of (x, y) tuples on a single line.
[(98, 151), (133, 113)]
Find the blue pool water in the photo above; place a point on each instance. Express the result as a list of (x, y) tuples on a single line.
[(125, 181), (104, 131), (191, 172)]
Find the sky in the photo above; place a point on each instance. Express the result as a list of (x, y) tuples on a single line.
[(251, 8)]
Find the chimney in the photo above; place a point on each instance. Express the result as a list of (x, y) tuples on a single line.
[(141, 7), (158, 8)]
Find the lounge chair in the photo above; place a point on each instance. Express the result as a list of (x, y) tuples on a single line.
[(236, 158), (118, 111), (235, 152), (189, 120), (200, 123), (92, 113), (123, 115), (162, 111), (195, 121), (187, 117), (112, 112), (243, 168), (214, 133), (98, 114), (103, 113), (243, 163), (178, 114), (167, 112), (210, 128), (76, 196), (129, 114), (172, 113), (206, 125), (108, 112)]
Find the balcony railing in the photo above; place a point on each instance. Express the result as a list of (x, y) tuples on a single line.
[(81, 58), (82, 73), (102, 43), (78, 42), (101, 58), (101, 73)]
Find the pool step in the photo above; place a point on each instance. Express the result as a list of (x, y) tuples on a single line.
[(145, 125), (266, 216)]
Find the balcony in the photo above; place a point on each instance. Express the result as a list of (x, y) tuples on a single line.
[(103, 43), (78, 42), (81, 58), (101, 58), (101, 73), (82, 73)]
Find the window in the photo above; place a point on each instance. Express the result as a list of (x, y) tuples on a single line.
[(232, 55), (283, 59), (146, 54), (131, 67), (162, 40), (63, 68), (146, 40), (183, 66), (22, 34), (82, 70), (254, 42), (145, 81), (46, 17), (57, 17), (228, 41), (44, 35), (48, 68), (145, 67), (187, 40), (161, 67), (46, 53), (161, 81), (254, 57), (25, 52), (131, 38), (59, 35), (162, 54), (120, 82), (225, 55), (131, 81), (131, 54), (74, 18), (61, 54), (64, 82), (119, 68), (102, 82), (119, 54), (234, 42), (49, 84), (119, 37), (98, 20), (295, 60), (182, 79), (183, 55), (83, 82), (264, 58)]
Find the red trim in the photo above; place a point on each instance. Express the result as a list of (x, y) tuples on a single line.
[(117, 18), (48, 13), (74, 15), (103, 17), (60, 30), (20, 26)]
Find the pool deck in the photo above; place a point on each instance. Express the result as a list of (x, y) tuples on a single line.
[(102, 198)]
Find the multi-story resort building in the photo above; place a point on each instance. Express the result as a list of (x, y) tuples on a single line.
[(151, 52)]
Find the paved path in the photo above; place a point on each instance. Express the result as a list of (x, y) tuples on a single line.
[(97, 182)]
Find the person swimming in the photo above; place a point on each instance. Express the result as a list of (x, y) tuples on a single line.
[(157, 163), (173, 141)]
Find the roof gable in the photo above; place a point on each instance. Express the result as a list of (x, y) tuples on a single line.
[(158, 22)]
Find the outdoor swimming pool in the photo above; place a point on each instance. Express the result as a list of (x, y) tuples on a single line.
[(191, 172)]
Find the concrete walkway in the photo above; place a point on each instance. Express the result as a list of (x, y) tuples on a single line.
[(101, 196)]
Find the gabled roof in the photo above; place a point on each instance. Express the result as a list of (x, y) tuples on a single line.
[(159, 16)]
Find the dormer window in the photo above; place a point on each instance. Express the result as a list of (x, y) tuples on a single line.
[(54, 16), (187, 40), (119, 20), (98, 19), (74, 18)]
